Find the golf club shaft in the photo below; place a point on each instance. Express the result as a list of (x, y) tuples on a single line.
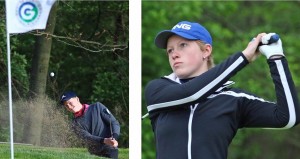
[(111, 132)]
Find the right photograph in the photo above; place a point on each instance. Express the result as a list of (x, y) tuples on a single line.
[(219, 80)]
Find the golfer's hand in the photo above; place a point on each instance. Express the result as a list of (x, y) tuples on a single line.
[(271, 50), (111, 142), (251, 52)]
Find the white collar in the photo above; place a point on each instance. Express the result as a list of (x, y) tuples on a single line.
[(174, 78)]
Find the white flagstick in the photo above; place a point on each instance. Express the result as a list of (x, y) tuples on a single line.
[(13, 25), (10, 96)]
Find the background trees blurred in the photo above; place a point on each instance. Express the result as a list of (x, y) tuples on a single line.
[(232, 25), (89, 55)]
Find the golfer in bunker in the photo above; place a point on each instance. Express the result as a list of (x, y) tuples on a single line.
[(195, 111), (94, 124)]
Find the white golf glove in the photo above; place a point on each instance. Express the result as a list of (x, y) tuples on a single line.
[(271, 49)]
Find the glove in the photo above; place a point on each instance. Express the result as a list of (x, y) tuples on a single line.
[(271, 49)]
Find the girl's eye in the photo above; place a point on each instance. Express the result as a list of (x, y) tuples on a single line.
[(182, 45), (169, 51)]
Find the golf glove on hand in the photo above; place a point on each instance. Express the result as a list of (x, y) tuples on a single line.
[(271, 49)]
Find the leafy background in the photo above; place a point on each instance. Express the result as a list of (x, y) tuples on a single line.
[(89, 55), (232, 25)]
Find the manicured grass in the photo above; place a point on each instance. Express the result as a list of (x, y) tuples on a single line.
[(34, 152)]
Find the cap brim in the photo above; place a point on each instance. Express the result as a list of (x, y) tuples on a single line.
[(65, 99), (161, 39)]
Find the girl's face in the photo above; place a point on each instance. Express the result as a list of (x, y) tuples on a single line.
[(73, 105), (186, 57)]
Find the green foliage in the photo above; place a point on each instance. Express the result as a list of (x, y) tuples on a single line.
[(89, 55), (112, 87), (232, 25), (18, 71), (4, 134), (19, 63)]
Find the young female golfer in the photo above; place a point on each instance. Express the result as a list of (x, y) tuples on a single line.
[(194, 112)]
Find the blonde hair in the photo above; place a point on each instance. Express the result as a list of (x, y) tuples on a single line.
[(210, 60)]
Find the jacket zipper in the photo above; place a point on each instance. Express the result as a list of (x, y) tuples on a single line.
[(189, 146)]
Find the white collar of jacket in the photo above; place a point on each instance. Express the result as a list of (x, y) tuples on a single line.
[(174, 78)]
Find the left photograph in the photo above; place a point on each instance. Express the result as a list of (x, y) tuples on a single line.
[(64, 69)]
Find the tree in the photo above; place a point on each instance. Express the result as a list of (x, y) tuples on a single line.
[(89, 55), (39, 71)]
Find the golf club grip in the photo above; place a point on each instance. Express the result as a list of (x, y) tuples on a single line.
[(274, 38)]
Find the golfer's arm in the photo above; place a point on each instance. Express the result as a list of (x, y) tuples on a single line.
[(86, 136), (110, 120), (284, 113), (160, 94), (115, 127), (286, 94)]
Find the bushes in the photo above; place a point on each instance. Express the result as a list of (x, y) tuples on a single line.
[(55, 130)]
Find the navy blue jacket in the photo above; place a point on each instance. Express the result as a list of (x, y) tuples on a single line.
[(94, 125), (199, 118)]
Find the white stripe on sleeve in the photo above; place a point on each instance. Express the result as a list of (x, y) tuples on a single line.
[(287, 92), (202, 91)]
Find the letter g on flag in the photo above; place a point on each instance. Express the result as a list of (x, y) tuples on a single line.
[(28, 12), (26, 15)]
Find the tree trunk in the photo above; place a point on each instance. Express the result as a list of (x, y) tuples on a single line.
[(38, 80)]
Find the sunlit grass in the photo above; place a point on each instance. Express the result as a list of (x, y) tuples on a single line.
[(34, 152)]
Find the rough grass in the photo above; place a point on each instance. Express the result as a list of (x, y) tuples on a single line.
[(34, 152)]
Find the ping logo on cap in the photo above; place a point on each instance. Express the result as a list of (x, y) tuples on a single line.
[(63, 96), (184, 29), (182, 26)]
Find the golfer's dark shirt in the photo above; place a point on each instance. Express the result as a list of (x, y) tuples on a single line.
[(94, 125), (197, 119)]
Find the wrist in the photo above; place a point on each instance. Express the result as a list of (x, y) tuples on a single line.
[(250, 57), (115, 136), (275, 56)]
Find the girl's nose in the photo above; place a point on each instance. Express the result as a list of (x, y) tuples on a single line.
[(175, 54)]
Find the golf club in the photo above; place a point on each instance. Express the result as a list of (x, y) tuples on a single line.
[(274, 38), (109, 114)]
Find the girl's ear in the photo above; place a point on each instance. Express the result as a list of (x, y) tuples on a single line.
[(208, 50)]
